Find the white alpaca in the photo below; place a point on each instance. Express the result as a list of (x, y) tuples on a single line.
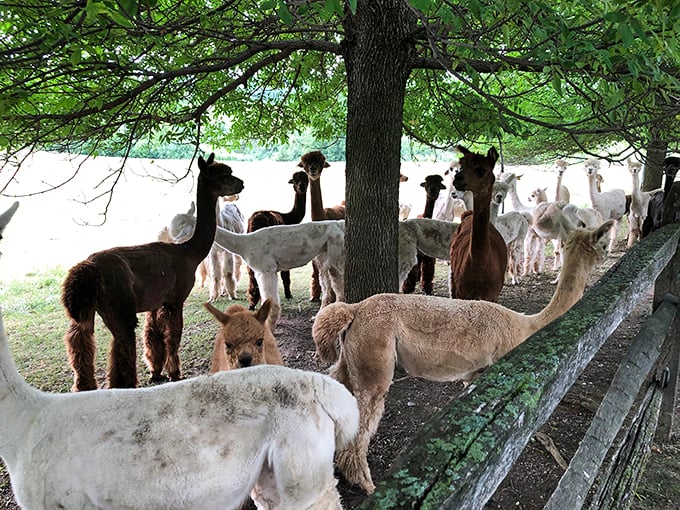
[(284, 247), (436, 338), (561, 191), (205, 442), (513, 227), (610, 204), (582, 217), (449, 205), (404, 207), (639, 204), (517, 204), (431, 238), (6, 216)]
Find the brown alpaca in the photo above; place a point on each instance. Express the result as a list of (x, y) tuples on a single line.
[(244, 338), (154, 278), (261, 219), (435, 338), (424, 269), (313, 164), (479, 255)]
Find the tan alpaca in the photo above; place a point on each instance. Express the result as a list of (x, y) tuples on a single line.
[(244, 338), (433, 337)]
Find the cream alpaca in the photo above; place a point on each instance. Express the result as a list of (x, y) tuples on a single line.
[(639, 203), (432, 337), (203, 442), (610, 204)]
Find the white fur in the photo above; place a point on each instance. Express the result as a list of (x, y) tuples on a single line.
[(639, 204), (202, 443), (610, 204), (284, 247), (431, 238), (517, 204), (449, 205), (582, 217), (513, 227), (561, 191), (6, 216)]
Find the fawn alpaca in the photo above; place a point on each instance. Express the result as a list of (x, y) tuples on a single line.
[(432, 337), (154, 278)]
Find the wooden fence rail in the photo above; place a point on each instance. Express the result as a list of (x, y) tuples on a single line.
[(462, 454)]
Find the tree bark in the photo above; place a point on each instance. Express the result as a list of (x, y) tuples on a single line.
[(377, 54), (656, 153)]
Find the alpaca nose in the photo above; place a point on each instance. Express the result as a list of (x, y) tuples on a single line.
[(245, 359)]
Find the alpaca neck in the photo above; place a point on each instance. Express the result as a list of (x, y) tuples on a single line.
[(668, 184), (517, 204), (481, 216), (317, 201), (570, 287), (592, 186), (557, 188), (493, 210), (298, 211), (233, 242), (429, 207), (204, 234)]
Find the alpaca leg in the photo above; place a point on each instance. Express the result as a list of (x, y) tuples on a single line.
[(214, 273), (173, 321), (122, 371), (557, 252), (315, 288), (154, 346), (613, 235), (285, 279), (409, 285), (268, 283), (253, 290), (81, 348), (202, 274), (228, 278), (427, 275)]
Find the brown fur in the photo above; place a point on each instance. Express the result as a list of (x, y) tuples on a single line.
[(479, 255), (313, 164), (432, 337), (424, 269), (261, 219), (155, 278), (244, 338)]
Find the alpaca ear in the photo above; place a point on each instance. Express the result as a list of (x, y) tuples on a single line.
[(603, 230), (262, 314), (462, 149), (422, 184), (211, 158), (545, 189), (301, 165), (221, 317), (492, 154), (192, 209), (326, 164)]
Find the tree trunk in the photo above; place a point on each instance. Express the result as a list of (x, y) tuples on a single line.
[(656, 153), (377, 53)]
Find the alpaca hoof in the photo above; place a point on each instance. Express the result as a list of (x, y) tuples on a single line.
[(158, 379)]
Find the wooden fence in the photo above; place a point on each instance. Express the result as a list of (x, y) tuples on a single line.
[(462, 455)]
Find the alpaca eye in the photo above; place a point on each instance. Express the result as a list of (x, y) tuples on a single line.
[(259, 342), (229, 346)]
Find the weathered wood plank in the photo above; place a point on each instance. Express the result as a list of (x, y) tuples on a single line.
[(573, 487), (463, 454)]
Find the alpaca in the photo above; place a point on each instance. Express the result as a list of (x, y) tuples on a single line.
[(260, 219), (654, 218), (638, 206), (517, 204), (561, 191), (424, 268), (206, 442), (432, 337), (448, 207), (313, 164), (244, 339), (284, 247), (154, 278), (478, 254), (221, 268), (6, 217), (404, 207), (610, 204), (423, 235), (513, 227), (582, 217)]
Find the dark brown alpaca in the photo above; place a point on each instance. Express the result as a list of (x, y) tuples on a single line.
[(424, 269), (479, 255), (261, 219), (154, 278), (653, 220), (313, 164)]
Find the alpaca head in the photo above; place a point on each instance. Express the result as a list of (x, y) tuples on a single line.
[(588, 245), (634, 167), (453, 169), (538, 196), (671, 165), (300, 181), (433, 185), (560, 166), (499, 191), (591, 166), (218, 177), (476, 171), (403, 178), (313, 163), (242, 334)]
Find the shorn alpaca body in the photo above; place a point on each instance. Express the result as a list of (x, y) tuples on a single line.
[(423, 235), (261, 219), (155, 278), (432, 337), (610, 204), (205, 442), (479, 256), (424, 268), (243, 339), (654, 219), (313, 164), (284, 247)]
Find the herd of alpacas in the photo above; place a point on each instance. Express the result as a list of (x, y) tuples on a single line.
[(254, 429)]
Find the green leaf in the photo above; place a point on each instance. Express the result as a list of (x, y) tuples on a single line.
[(284, 13)]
